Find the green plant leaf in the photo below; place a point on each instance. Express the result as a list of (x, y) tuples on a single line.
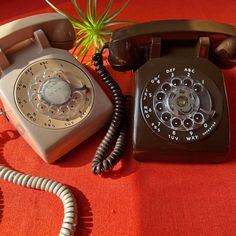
[(85, 50), (78, 25), (101, 42), (81, 40), (118, 23), (78, 10), (80, 13), (103, 16), (116, 13), (95, 42), (71, 18), (89, 9), (94, 11), (82, 31), (88, 63), (81, 51), (78, 44), (90, 32)]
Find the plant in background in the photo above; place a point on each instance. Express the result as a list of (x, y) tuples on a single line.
[(92, 31)]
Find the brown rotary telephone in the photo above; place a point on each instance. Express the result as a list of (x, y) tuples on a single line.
[(179, 97)]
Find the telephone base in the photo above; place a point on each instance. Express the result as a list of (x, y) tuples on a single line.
[(180, 110), (55, 103)]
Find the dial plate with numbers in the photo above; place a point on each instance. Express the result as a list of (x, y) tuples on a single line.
[(177, 104), (54, 93)]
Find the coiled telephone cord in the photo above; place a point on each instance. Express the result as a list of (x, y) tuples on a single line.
[(67, 198), (118, 126)]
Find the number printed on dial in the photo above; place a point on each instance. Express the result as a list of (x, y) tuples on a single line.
[(54, 93)]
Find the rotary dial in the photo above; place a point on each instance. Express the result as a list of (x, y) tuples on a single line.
[(182, 103), (177, 104), (54, 93)]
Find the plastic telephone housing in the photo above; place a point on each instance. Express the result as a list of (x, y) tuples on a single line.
[(42, 33), (168, 143), (179, 101)]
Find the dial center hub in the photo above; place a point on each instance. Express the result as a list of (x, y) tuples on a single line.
[(55, 91), (183, 100)]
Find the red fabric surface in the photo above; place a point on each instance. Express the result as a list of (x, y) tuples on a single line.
[(136, 198)]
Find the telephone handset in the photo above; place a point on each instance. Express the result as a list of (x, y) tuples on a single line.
[(179, 96), (133, 46), (60, 33)]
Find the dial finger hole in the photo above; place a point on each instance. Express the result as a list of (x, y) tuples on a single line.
[(48, 74), (34, 87), (159, 107), (197, 88), (42, 107), (73, 104), (198, 118), (63, 110), (39, 79), (188, 123), (77, 95), (53, 110), (34, 97), (60, 74), (160, 96), (166, 116), (188, 82), (176, 82), (176, 122), (166, 87)]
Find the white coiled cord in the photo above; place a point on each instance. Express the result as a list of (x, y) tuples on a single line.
[(48, 185)]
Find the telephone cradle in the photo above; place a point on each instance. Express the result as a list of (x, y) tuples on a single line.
[(179, 101)]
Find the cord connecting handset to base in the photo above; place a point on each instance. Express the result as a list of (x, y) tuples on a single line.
[(44, 184), (47, 185), (117, 131)]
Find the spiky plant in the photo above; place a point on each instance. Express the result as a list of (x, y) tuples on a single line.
[(92, 30)]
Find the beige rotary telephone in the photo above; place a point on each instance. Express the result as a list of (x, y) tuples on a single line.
[(50, 98)]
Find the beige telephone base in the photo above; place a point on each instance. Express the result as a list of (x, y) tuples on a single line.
[(49, 97)]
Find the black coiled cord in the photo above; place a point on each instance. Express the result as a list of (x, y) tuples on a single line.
[(117, 131)]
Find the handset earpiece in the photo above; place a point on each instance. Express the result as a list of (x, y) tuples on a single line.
[(125, 55), (225, 53)]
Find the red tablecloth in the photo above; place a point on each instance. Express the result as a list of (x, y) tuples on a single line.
[(137, 198)]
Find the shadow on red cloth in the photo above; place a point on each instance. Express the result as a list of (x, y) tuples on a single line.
[(1, 205), (5, 137), (81, 156), (85, 214)]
